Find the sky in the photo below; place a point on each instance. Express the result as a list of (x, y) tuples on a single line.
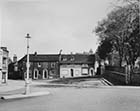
[(52, 25)]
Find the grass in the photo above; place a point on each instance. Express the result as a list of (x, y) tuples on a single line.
[(72, 80)]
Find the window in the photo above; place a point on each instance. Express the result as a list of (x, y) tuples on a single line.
[(52, 65), (64, 59), (4, 61), (77, 72), (72, 58), (39, 64), (64, 72), (84, 71)]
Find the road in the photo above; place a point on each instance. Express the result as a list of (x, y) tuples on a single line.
[(78, 99)]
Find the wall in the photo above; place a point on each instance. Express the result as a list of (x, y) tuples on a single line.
[(65, 70), (118, 77), (39, 66), (3, 65)]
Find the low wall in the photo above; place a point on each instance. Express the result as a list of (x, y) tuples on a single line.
[(117, 76), (135, 79)]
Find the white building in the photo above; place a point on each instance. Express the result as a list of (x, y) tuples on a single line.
[(3, 65), (76, 65)]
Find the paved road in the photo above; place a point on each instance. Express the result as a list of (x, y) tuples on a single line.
[(78, 99)]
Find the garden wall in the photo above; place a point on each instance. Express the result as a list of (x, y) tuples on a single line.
[(116, 75)]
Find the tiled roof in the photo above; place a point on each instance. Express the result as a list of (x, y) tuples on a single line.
[(68, 58), (77, 58), (41, 58), (44, 57)]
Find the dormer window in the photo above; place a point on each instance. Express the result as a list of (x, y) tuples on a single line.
[(72, 58), (64, 59)]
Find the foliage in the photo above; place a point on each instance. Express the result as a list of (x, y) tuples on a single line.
[(121, 28), (104, 49)]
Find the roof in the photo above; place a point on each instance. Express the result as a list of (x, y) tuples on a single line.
[(41, 58), (4, 49), (77, 59), (65, 59)]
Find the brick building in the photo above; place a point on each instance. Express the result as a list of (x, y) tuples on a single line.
[(42, 66)]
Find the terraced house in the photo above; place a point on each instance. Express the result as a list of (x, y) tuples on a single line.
[(77, 65), (46, 66), (42, 66)]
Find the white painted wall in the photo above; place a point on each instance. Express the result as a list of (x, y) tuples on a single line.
[(65, 71)]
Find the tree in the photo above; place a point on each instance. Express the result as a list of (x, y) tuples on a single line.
[(121, 27), (104, 49)]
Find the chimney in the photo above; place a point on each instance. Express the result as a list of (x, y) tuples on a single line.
[(60, 56), (35, 53), (14, 58)]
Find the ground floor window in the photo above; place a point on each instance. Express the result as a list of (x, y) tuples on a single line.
[(4, 77), (84, 71)]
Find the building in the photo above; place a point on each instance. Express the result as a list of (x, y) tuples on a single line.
[(77, 65), (42, 66), (13, 72), (46, 66), (4, 53)]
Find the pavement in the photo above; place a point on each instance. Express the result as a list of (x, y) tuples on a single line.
[(11, 85), (15, 89)]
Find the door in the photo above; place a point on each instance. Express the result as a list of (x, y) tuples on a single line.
[(72, 72)]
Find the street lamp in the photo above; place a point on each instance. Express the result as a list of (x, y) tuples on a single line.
[(27, 82)]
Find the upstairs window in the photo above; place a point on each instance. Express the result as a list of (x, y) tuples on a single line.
[(39, 64), (72, 58), (4, 61), (64, 59), (52, 65)]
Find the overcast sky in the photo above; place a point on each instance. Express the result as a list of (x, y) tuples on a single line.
[(52, 24)]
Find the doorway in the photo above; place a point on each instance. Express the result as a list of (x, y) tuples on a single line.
[(45, 74), (72, 72), (35, 74)]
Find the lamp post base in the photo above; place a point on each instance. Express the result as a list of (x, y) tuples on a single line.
[(27, 88)]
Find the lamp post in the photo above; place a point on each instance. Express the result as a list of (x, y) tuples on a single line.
[(27, 82)]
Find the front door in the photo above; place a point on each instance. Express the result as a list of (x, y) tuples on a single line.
[(72, 72)]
